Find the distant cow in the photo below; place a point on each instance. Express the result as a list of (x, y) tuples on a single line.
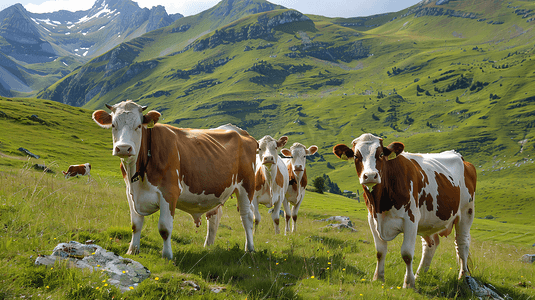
[(271, 178), (295, 164), (77, 170), (167, 168), (424, 194)]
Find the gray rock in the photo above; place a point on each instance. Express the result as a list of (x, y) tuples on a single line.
[(123, 272), (528, 258), (27, 152), (343, 222), (481, 290)]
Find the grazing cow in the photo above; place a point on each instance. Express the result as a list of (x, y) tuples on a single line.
[(295, 163), (167, 168), (424, 194), (271, 178), (77, 170)]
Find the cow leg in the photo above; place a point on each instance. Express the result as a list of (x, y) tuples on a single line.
[(246, 215), (381, 247), (165, 227), (428, 251), (407, 252), (213, 217), (137, 223), (287, 215), (462, 238), (257, 217), (295, 210), (275, 214)]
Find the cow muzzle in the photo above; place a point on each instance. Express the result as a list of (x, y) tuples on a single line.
[(268, 160), (370, 179), (298, 169), (123, 150)]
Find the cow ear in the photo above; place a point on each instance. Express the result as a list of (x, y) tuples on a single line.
[(282, 141), (286, 152), (151, 118), (102, 118), (311, 150), (394, 149), (343, 152)]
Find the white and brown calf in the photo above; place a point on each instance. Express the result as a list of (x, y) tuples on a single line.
[(271, 178), (417, 194), (296, 165), (167, 168)]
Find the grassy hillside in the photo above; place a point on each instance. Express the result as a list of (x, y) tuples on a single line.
[(434, 82), (60, 134)]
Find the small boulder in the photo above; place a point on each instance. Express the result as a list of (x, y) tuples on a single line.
[(528, 258), (41, 167), (124, 273), (27, 152), (343, 222)]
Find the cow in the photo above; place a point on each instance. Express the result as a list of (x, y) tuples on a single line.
[(167, 168), (271, 178), (413, 193), (77, 170), (295, 163)]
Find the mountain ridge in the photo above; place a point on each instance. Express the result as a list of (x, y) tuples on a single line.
[(32, 40)]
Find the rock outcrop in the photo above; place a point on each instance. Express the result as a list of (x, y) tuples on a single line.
[(123, 273)]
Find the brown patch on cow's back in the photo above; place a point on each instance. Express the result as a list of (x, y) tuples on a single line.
[(427, 199), (448, 197), (419, 186), (209, 159)]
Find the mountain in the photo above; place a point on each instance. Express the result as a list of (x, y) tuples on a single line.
[(438, 76), (38, 41)]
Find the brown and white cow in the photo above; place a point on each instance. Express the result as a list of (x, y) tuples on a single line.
[(271, 178), (295, 163), (417, 194), (167, 168), (77, 170)]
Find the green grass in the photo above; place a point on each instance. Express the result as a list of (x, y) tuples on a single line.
[(493, 133), (66, 136), (40, 210)]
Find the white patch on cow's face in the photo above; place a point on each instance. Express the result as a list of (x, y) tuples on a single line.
[(127, 125), (298, 158), (267, 151), (366, 148)]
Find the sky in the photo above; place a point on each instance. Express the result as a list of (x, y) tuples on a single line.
[(328, 8)]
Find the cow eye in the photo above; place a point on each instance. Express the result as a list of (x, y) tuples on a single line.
[(382, 154), (139, 126)]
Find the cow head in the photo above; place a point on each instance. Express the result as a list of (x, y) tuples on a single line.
[(126, 120), (297, 154), (268, 149), (369, 155)]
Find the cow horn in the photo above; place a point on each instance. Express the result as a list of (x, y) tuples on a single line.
[(144, 107), (109, 106)]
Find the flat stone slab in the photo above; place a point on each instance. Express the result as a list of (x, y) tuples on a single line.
[(124, 273)]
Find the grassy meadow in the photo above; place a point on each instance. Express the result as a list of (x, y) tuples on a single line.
[(39, 210)]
